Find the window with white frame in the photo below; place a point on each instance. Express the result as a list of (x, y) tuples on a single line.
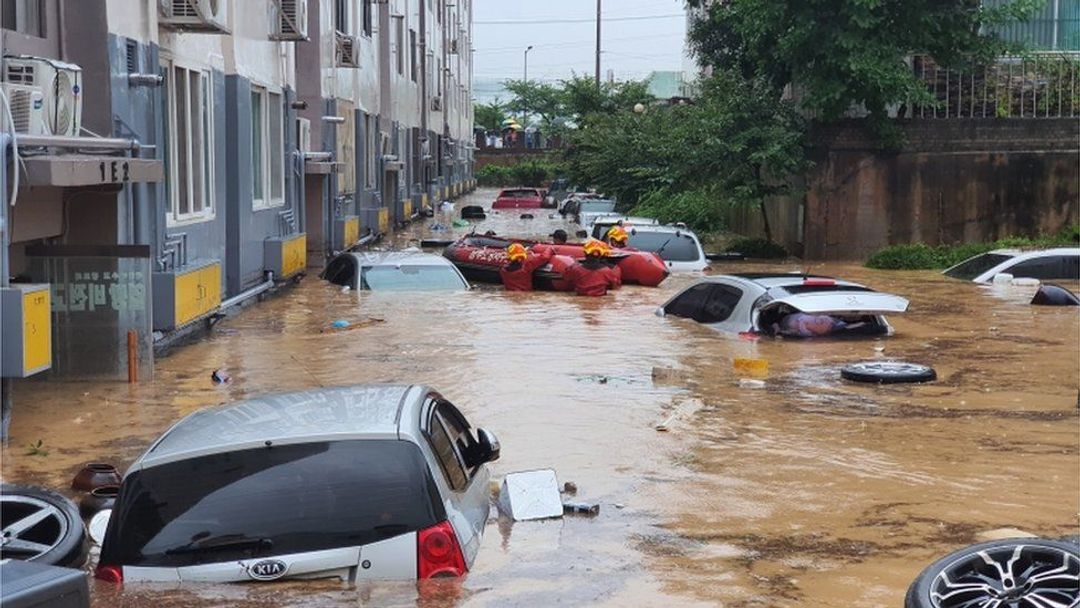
[(23, 16), (267, 149), (189, 144), (371, 154)]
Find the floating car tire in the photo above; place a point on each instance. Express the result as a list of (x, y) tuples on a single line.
[(1012, 573), (41, 526), (888, 372)]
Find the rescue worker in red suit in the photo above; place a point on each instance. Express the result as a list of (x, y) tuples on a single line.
[(593, 277), (517, 275), (617, 237)]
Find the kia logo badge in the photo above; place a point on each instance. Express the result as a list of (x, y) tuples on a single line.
[(267, 569)]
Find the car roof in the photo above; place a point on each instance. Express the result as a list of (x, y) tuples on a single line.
[(662, 228), (1034, 253), (348, 412), (770, 280), (399, 258), (630, 220)]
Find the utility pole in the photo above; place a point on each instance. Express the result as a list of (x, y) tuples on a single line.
[(598, 43), (525, 108)]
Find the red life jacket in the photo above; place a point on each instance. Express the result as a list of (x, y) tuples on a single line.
[(518, 276), (593, 278)]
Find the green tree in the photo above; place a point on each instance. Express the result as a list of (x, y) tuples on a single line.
[(840, 53), (736, 145), (489, 115), (534, 98), (582, 98)]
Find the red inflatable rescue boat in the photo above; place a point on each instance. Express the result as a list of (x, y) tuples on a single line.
[(480, 257)]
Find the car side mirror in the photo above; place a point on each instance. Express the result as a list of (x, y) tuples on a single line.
[(660, 311), (489, 446)]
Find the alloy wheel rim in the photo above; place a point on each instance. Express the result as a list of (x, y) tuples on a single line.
[(1020, 576), (31, 527)]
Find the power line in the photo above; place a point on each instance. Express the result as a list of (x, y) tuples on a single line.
[(590, 20), (588, 43)]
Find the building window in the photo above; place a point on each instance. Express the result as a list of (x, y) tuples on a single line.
[(368, 24), (399, 44), (346, 147), (189, 145), (371, 133), (414, 57), (24, 16), (267, 149), (341, 16)]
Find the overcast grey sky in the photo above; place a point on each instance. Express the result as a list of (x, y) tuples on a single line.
[(652, 39)]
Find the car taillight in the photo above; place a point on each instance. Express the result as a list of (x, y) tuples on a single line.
[(439, 553), (109, 574)]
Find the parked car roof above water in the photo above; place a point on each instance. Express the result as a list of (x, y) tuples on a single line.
[(356, 412), (1043, 264), (407, 270)]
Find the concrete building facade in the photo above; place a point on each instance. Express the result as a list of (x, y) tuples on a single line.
[(235, 143)]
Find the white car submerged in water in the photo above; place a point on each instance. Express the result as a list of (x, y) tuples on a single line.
[(361, 482), (757, 303)]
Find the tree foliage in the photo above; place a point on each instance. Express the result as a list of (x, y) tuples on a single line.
[(489, 115), (737, 144), (571, 101), (840, 53)]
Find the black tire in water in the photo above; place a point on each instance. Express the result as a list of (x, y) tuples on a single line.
[(887, 372), (1013, 573), (42, 526), (473, 212)]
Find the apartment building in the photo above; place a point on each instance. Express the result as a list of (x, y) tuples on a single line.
[(180, 156)]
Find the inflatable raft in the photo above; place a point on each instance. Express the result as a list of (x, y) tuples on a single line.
[(480, 257)]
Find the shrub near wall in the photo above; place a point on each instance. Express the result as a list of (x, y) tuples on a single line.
[(534, 173), (920, 256)]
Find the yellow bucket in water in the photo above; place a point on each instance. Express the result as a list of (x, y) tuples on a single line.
[(751, 367)]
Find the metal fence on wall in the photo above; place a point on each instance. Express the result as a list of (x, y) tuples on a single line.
[(1046, 85)]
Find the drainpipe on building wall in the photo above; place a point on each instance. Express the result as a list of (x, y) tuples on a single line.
[(425, 104), (5, 383)]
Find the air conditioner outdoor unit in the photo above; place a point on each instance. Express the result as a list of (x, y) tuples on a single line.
[(61, 85), (290, 20), (27, 109), (436, 104), (303, 135), (347, 51), (210, 16)]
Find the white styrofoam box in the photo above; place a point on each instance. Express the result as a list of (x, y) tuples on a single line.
[(531, 495)]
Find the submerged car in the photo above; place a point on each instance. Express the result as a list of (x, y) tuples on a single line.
[(602, 224), (1046, 265), (571, 203), (589, 210), (757, 303), (411, 270), (519, 198), (361, 482), (676, 245)]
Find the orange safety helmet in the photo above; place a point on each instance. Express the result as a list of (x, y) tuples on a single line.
[(516, 252), (617, 234), (596, 248)]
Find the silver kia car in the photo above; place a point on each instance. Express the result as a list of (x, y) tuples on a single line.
[(362, 482)]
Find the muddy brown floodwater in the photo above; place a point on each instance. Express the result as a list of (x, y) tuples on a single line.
[(810, 491)]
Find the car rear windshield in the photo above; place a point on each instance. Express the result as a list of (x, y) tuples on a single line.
[(411, 278), (591, 206), (519, 194), (815, 288), (672, 247), (271, 501), (969, 269)]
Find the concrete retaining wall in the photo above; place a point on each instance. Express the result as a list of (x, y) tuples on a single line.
[(954, 181)]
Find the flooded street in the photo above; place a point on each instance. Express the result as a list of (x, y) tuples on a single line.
[(810, 491)]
